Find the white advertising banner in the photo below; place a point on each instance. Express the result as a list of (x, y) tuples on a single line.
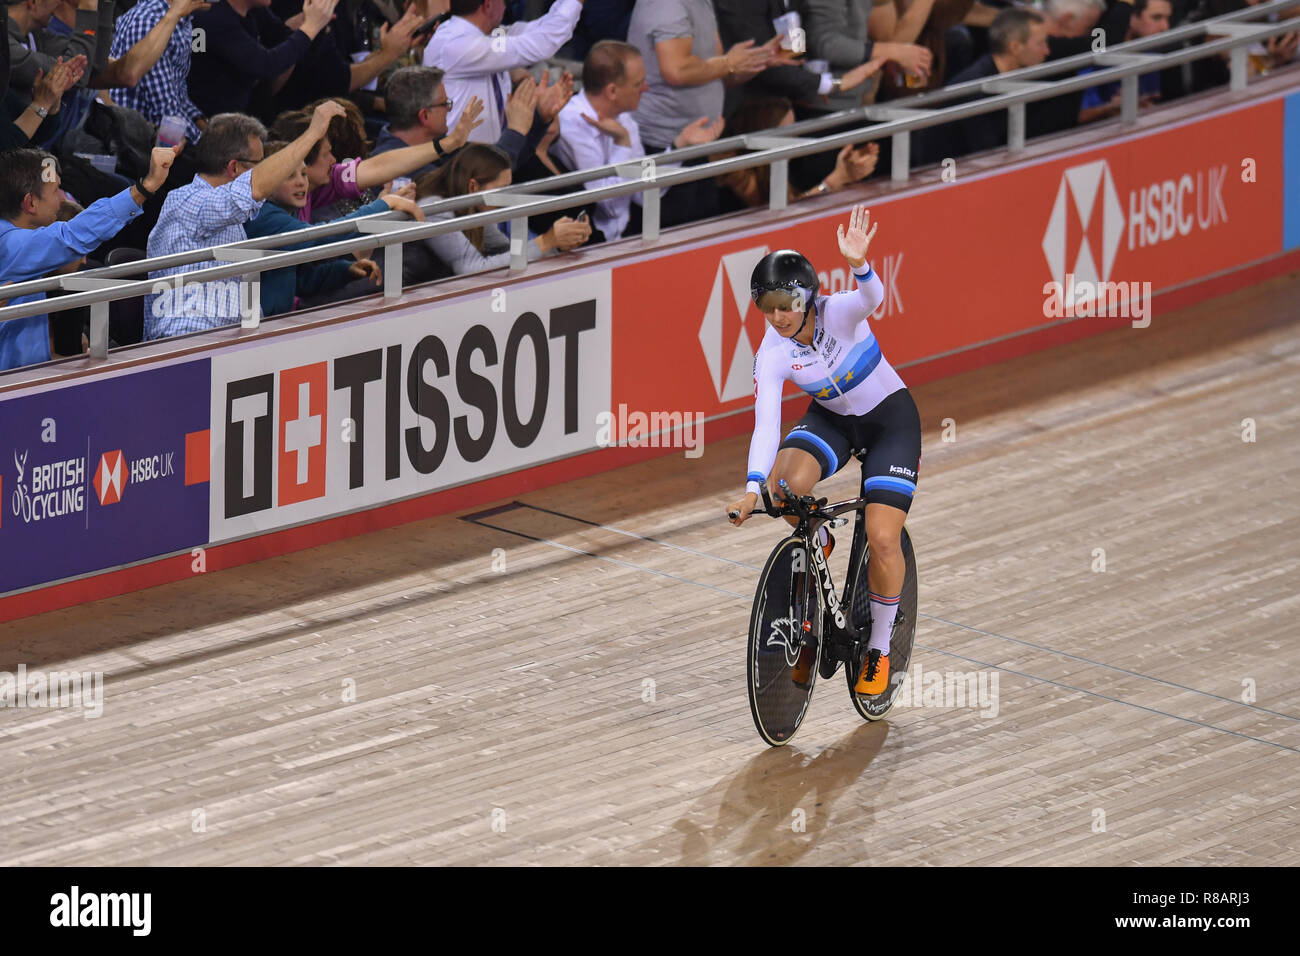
[(327, 422)]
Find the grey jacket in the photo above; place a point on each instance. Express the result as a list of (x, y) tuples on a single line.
[(462, 257), (837, 33), (92, 35)]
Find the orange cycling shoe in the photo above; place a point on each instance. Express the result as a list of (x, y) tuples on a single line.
[(874, 678)]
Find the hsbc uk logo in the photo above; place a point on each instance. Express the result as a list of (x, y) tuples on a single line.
[(114, 473), (109, 478), (1082, 238), (1087, 226), (733, 327)]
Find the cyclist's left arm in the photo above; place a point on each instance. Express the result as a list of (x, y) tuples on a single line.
[(847, 311)]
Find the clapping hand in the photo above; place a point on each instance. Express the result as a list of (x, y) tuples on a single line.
[(854, 164), (703, 130), (468, 122), (520, 106), (551, 97)]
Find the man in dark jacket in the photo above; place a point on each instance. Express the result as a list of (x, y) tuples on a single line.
[(1021, 38), (235, 56)]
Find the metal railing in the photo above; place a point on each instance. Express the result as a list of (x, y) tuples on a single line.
[(1011, 92)]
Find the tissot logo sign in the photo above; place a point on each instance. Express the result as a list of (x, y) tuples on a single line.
[(402, 405)]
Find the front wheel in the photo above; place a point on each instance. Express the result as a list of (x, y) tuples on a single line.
[(784, 642), (900, 644)]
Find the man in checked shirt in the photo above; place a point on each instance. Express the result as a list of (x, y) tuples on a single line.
[(163, 90), (232, 183)]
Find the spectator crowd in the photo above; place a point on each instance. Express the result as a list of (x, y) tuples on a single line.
[(170, 126)]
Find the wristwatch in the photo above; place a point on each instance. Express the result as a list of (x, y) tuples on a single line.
[(437, 148), (40, 111), (144, 190)]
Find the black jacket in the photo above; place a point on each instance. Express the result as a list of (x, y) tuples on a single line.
[(237, 56), (740, 20)]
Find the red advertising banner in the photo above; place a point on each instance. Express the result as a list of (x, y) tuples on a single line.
[(969, 262)]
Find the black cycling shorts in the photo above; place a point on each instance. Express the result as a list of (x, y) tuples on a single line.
[(889, 435)]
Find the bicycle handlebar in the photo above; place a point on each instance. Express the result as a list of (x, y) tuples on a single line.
[(800, 507)]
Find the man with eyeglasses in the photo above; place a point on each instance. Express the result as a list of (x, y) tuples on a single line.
[(418, 106), (232, 182)]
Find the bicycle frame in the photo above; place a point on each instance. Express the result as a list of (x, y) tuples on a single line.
[(843, 638)]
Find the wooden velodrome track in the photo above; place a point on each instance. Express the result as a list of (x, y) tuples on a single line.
[(586, 703)]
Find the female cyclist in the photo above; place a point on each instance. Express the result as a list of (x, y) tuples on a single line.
[(824, 344)]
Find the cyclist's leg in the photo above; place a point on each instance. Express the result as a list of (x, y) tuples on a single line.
[(801, 472), (816, 448), (885, 565), (890, 470)]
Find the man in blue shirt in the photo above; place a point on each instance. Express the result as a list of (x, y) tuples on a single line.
[(33, 244)]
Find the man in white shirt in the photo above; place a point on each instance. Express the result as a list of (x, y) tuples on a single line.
[(597, 127), (477, 56)]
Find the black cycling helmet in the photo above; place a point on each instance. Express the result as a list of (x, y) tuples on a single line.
[(791, 276)]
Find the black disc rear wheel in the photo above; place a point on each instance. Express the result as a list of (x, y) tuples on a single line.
[(784, 626), (877, 706)]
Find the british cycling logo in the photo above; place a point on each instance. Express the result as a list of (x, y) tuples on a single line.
[(55, 489), (732, 325), (1082, 239)]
